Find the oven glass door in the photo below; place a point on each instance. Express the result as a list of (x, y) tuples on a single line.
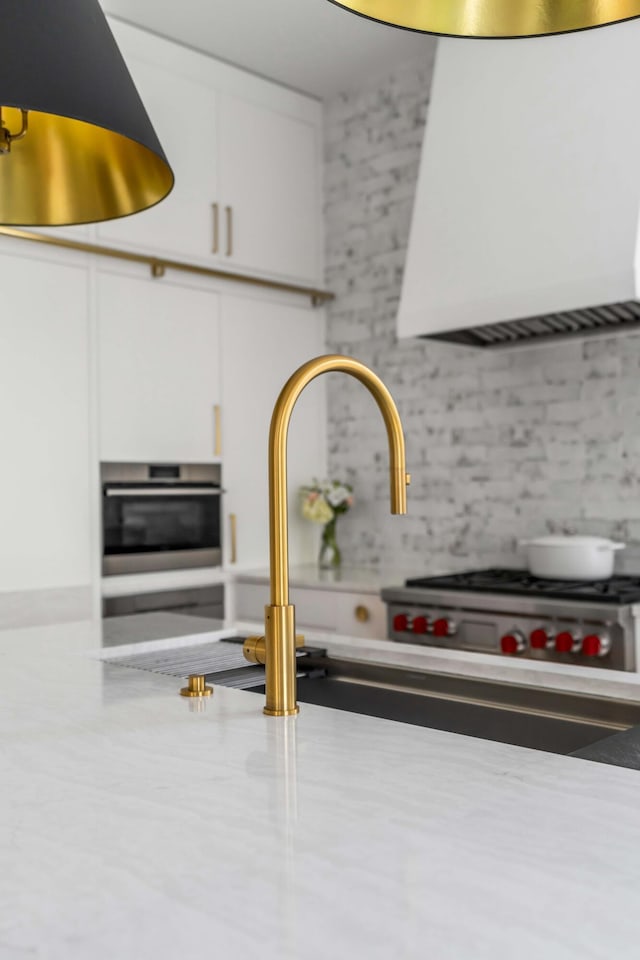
[(160, 519)]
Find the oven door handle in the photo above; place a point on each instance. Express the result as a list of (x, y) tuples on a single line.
[(162, 492)]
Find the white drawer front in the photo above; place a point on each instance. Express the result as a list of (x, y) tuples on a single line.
[(332, 611), (361, 615)]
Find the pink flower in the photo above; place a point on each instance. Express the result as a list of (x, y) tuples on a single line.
[(313, 496)]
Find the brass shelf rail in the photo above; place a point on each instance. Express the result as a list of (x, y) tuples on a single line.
[(159, 265)]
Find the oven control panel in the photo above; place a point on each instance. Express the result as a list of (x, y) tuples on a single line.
[(598, 643)]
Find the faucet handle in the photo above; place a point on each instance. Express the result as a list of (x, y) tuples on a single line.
[(255, 650)]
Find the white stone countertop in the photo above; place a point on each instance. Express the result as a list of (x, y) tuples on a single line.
[(135, 826), (349, 579)]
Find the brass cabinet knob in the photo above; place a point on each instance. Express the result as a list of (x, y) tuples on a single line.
[(362, 613), (197, 687)]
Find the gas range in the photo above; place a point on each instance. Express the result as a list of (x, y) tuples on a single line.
[(510, 613)]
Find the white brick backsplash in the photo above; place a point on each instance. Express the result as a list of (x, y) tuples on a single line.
[(501, 445)]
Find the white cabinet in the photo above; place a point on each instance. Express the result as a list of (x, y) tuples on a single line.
[(263, 344), (45, 399), (183, 111), (344, 612), (269, 182), (159, 362), (247, 160)]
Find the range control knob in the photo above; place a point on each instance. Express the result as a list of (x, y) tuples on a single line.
[(400, 622), (443, 627), (567, 642), (513, 642), (596, 645), (420, 625), (541, 638)]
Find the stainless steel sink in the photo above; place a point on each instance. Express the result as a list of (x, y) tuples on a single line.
[(547, 720), (556, 722)]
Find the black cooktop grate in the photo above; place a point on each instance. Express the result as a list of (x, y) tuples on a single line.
[(618, 589)]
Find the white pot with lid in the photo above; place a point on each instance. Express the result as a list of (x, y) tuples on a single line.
[(571, 558)]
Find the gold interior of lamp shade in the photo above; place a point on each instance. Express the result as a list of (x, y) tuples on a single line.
[(495, 18), (67, 171)]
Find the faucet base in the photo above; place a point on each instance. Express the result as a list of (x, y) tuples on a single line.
[(280, 666), (281, 713)]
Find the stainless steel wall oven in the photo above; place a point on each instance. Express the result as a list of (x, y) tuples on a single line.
[(160, 517)]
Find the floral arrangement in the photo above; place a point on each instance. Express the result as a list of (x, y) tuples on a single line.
[(323, 503)]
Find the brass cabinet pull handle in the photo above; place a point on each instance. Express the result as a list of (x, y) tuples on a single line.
[(362, 614), (233, 525), (217, 431), (216, 229), (229, 212)]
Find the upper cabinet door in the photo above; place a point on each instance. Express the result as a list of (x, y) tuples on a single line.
[(246, 154), (182, 108), (270, 186), (159, 367)]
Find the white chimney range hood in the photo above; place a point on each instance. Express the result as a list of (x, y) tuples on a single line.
[(525, 224)]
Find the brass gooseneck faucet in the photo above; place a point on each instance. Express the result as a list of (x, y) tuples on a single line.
[(277, 648)]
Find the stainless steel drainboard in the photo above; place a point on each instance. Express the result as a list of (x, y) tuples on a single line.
[(220, 661)]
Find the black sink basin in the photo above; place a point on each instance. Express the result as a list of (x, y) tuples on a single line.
[(552, 721)]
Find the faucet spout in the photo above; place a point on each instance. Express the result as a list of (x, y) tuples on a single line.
[(277, 650)]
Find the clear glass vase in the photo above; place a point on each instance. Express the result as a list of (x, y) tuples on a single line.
[(330, 557)]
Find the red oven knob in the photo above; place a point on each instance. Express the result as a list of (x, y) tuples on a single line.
[(400, 622), (567, 642), (540, 638), (420, 625), (596, 645), (512, 642), (443, 627)]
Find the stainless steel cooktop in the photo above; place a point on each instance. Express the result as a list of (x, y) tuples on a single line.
[(510, 613), (618, 589)]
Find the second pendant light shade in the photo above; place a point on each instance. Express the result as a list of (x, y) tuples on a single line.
[(495, 18), (76, 144)]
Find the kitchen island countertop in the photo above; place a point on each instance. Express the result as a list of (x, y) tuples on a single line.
[(136, 823)]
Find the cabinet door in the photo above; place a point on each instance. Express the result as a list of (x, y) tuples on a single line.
[(263, 343), (183, 112), (159, 359), (44, 394), (269, 179)]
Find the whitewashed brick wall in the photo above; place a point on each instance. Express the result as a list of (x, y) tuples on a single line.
[(500, 445)]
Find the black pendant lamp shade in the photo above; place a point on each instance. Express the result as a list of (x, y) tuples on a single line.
[(76, 144), (495, 18)]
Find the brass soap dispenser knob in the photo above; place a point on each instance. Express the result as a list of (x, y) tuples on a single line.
[(197, 687)]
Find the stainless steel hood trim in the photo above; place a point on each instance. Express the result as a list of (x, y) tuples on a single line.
[(608, 318)]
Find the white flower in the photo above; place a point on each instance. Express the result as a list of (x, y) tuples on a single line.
[(337, 495)]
